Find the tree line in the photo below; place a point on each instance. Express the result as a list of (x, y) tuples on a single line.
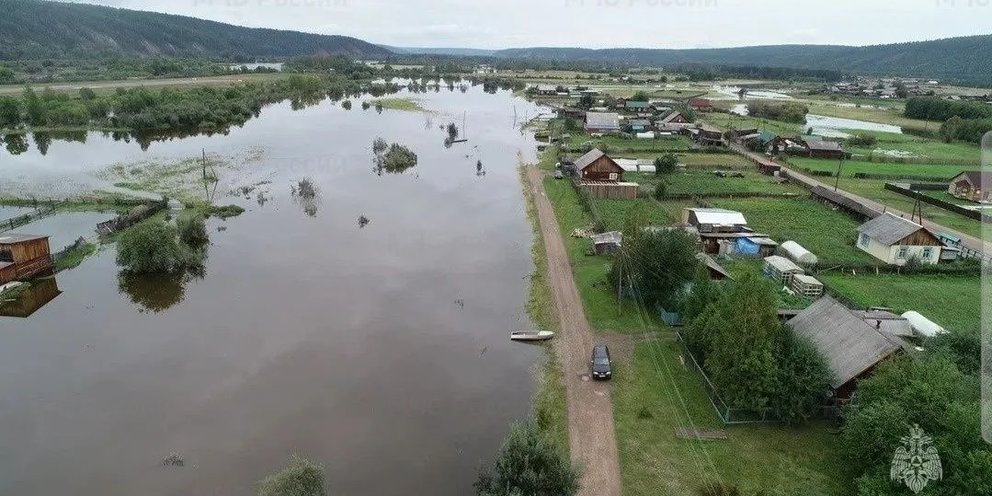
[(963, 120)]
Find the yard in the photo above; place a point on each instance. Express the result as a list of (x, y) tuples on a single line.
[(951, 301), (618, 144), (598, 297), (829, 234), (703, 182), (938, 172), (655, 394)]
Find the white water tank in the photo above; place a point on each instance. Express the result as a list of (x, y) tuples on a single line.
[(797, 253), (922, 325)]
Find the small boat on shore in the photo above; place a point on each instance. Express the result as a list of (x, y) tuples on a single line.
[(531, 335)]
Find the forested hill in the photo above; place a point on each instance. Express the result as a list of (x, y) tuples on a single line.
[(963, 59), (32, 29)]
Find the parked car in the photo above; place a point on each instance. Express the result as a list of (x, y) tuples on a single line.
[(601, 365), (559, 174)]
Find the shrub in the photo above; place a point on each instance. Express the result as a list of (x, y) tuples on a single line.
[(150, 247), (666, 163), (226, 211), (301, 477), (192, 229), (528, 463), (659, 191), (862, 139)]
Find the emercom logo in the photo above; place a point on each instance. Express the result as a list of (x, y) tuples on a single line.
[(916, 462)]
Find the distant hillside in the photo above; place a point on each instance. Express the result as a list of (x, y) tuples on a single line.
[(963, 59), (31, 29), (463, 52)]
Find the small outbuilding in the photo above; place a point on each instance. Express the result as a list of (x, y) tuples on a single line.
[(607, 242), (707, 220), (23, 256), (895, 240), (887, 322), (701, 104), (823, 148), (971, 185), (807, 286), (781, 269), (715, 270)]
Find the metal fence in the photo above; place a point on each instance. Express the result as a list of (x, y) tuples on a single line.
[(727, 414)]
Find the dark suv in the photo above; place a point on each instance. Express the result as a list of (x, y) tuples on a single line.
[(602, 366)]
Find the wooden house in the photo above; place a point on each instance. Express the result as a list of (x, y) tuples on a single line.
[(971, 185), (895, 240), (851, 347), (817, 148), (602, 122), (781, 269), (707, 135), (701, 104), (673, 122), (598, 166), (636, 106), (27, 254)]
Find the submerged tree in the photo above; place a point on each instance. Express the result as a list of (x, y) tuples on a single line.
[(528, 463), (302, 477)]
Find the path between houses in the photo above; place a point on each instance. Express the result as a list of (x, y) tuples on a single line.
[(591, 438), (968, 241)]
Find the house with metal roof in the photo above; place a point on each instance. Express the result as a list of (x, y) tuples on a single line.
[(971, 185), (673, 121), (714, 220), (820, 148), (602, 122), (895, 240), (851, 347)]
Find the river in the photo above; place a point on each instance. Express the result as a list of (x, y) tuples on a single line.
[(380, 351)]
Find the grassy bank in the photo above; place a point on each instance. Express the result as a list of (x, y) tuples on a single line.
[(656, 394), (951, 301), (550, 409), (75, 257), (405, 104)]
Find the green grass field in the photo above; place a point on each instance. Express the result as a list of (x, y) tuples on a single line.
[(959, 152), (656, 394), (616, 144), (598, 298), (951, 301), (703, 182), (938, 172), (830, 235)]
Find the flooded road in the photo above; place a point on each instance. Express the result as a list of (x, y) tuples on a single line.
[(380, 351)]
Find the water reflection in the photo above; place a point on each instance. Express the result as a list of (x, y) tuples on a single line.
[(37, 295), (158, 292), (15, 143)]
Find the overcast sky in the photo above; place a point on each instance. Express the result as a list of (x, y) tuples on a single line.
[(598, 23)]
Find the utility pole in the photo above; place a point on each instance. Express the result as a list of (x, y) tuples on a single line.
[(619, 280), (839, 164)]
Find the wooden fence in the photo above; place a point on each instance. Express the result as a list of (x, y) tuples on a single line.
[(916, 195)]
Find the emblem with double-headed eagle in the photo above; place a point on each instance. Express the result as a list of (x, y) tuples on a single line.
[(916, 462)]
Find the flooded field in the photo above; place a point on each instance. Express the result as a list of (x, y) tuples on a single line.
[(9, 212), (65, 228), (378, 348), (835, 126)]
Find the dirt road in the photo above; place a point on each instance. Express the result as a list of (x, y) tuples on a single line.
[(591, 438)]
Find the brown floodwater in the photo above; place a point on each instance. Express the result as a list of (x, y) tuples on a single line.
[(380, 350)]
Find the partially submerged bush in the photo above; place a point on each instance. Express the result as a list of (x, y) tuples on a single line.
[(192, 229), (150, 247), (226, 211), (301, 478)]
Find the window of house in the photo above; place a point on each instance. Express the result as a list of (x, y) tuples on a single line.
[(902, 252), (927, 253), (613, 176), (864, 240)]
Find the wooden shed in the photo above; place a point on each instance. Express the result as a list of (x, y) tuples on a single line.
[(30, 255), (598, 166)]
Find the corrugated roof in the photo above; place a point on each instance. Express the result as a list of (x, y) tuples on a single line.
[(849, 345), (637, 104), (590, 157), (889, 229), (672, 115), (806, 279), (782, 264), (719, 216), (603, 119), (19, 238)]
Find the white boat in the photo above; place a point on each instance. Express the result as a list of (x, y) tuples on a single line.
[(531, 335)]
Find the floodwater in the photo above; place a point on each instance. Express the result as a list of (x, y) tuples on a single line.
[(732, 93), (64, 229), (834, 126), (380, 351), (8, 212)]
